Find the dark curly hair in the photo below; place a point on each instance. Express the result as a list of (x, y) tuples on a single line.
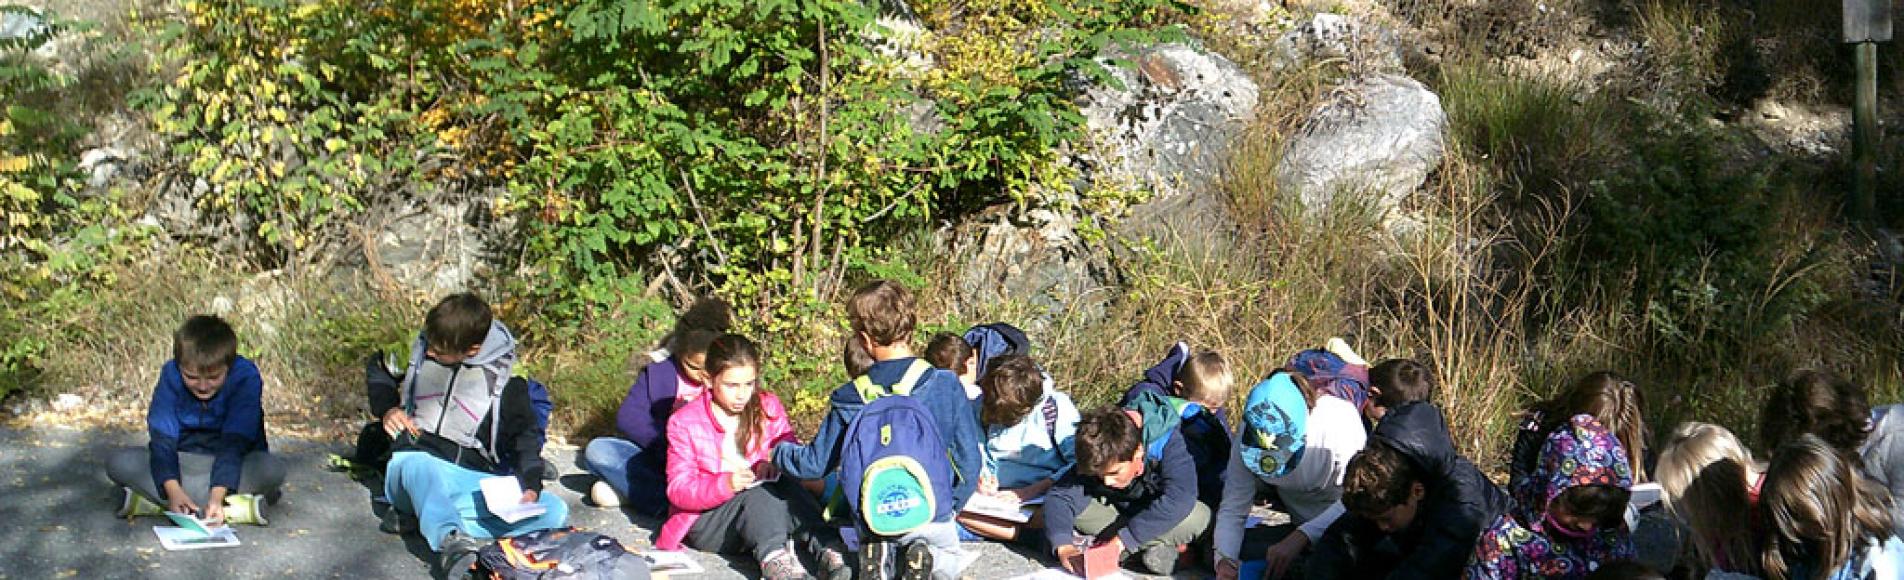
[(1816, 402)]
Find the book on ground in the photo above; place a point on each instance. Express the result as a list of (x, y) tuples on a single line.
[(1645, 494), (174, 539), (1001, 508), (502, 496)]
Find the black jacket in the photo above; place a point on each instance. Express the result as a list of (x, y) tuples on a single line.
[(1438, 542)]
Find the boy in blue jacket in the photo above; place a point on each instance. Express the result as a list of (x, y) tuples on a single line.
[(207, 454), (1203, 378), (883, 319), (1141, 499)]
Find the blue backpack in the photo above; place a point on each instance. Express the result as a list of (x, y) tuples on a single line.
[(894, 470)]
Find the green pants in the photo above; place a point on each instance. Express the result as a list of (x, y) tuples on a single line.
[(1099, 514)]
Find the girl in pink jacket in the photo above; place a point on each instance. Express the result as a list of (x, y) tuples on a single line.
[(724, 494)]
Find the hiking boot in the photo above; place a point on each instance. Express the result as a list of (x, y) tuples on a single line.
[(458, 556), (917, 564), (603, 495), (136, 505), (1160, 559), (875, 559), (396, 522), (831, 558), (245, 508), (783, 564)]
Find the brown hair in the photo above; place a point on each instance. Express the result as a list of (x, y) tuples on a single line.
[(1612, 400), (854, 357), (456, 324), (1817, 402), (733, 351), (1011, 389), (1377, 479), (204, 343), (1703, 471), (1105, 435), (1605, 504), (883, 310), (1203, 374), (1818, 506), (948, 351), (1399, 380)]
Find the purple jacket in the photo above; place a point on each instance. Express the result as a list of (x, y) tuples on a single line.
[(643, 417)]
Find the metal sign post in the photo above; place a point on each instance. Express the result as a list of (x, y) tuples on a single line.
[(1866, 23)]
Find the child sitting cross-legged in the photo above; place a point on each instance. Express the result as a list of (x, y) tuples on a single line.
[(1138, 498), (726, 495)]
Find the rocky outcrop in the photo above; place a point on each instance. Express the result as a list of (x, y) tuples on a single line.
[(1373, 141), (1038, 259)]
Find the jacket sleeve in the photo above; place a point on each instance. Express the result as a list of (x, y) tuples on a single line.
[(965, 439), (637, 419), (1500, 563), (162, 423), (1447, 545), (1179, 497), (691, 488), (243, 428), (519, 432), (1063, 503), (815, 459), (1239, 494)]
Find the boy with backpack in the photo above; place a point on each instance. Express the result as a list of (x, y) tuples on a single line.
[(208, 454), (1199, 383), (904, 429), (459, 417), (1134, 488)]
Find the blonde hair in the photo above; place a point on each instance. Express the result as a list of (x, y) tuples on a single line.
[(1818, 506), (1703, 469), (1206, 378)]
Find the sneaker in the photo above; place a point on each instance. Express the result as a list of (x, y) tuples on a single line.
[(875, 559), (831, 557), (917, 564), (245, 508), (1160, 559), (396, 522), (602, 495), (136, 505), (783, 564), (458, 556)]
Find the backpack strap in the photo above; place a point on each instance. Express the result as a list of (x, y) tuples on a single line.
[(1050, 410), (870, 391)]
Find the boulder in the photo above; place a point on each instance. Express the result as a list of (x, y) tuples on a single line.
[(1358, 45), (1036, 258), (1171, 122), (1375, 138), (429, 248)]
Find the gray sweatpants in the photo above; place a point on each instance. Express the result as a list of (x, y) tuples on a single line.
[(132, 467)]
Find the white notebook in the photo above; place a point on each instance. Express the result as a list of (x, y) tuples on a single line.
[(502, 496), (174, 539)]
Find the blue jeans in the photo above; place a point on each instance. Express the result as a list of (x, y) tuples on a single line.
[(637, 475), (442, 495)]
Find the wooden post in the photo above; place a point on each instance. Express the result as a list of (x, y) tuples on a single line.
[(1864, 133), (1866, 23)]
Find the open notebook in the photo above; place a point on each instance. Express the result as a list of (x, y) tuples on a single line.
[(192, 533)]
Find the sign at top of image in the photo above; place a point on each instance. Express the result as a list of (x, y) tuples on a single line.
[(1867, 21)]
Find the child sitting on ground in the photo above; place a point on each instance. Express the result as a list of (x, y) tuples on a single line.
[(631, 466), (1837, 411), (1396, 382), (1613, 401), (1139, 498), (1575, 522), (1711, 484), (458, 409), (724, 492), (1029, 430), (1202, 378), (1293, 445), (208, 454), (950, 352), (1825, 520), (1414, 504), (882, 318)]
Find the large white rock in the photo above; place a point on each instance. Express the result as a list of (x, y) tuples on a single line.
[(1173, 119), (1377, 137)]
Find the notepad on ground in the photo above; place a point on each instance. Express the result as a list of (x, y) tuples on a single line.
[(664, 563), (1002, 508), (502, 496), (193, 534)]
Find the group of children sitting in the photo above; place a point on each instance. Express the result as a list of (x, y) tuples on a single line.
[(890, 484)]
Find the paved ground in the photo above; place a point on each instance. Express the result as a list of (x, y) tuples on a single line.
[(58, 521)]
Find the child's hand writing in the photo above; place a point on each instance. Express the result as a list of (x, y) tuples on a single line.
[(529, 496)]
